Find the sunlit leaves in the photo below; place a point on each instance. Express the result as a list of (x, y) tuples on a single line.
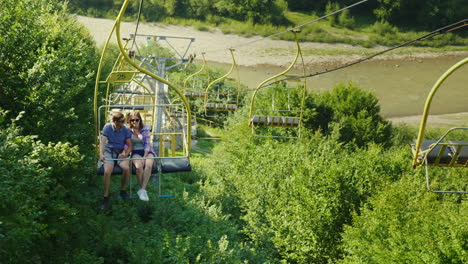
[(47, 65)]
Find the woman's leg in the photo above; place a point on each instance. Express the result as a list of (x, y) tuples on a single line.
[(147, 173), (138, 168)]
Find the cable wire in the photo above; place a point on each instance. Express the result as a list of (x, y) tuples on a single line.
[(138, 23), (294, 28)]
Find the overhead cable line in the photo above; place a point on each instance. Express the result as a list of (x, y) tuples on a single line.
[(296, 27), (441, 30), (137, 24)]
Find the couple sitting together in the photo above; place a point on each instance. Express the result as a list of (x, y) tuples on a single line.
[(118, 142)]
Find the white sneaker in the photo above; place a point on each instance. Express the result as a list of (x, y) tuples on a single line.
[(143, 195)]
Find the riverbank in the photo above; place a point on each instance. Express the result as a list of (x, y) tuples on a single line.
[(251, 51)]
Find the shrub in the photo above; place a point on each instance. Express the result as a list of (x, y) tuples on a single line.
[(40, 194), (293, 198), (407, 224), (384, 28), (355, 114), (48, 70)]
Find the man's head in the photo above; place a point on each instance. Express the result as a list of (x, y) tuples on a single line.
[(118, 119)]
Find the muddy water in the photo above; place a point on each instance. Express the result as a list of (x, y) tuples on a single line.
[(401, 85)]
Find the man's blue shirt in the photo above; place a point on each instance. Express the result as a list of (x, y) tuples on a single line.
[(116, 138)]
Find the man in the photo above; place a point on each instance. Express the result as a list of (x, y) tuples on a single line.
[(113, 140)]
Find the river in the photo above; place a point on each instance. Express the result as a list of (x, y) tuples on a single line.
[(401, 85)]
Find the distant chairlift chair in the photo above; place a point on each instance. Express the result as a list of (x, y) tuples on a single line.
[(274, 117)]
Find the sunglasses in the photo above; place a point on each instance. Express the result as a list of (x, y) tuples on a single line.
[(135, 120), (120, 121)]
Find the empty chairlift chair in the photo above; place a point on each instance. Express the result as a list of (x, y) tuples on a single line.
[(197, 82), (442, 152), (222, 94), (283, 114)]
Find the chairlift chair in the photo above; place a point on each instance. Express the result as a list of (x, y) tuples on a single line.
[(442, 152), (128, 69), (225, 97), (274, 117), (197, 80)]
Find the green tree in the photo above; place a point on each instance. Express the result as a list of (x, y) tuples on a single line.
[(425, 14), (48, 63), (255, 11)]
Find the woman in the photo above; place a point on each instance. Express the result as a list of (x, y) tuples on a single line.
[(141, 149)]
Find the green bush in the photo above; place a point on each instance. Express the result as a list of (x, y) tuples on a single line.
[(384, 28), (355, 114), (407, 224), (48, 70), (294, 198), (41, 200)]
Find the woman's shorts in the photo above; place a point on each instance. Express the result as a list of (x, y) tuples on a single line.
[(141, 152)]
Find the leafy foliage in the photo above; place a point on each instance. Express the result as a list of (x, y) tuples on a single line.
[(421, 14), (47, 69), (39, 215), (339, 194), (355, 114), (407, 224), (295, 198)]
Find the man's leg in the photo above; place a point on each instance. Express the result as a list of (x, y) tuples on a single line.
[(108, 168), (125, 166), (106, 178)]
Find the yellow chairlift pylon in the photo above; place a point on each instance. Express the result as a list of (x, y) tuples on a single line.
[(285, 118), (220, 100), (441, 152)]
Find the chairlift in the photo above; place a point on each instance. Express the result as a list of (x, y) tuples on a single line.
[(222, 94), (197, 80), (441, 152), (265, 122), (132, 82)]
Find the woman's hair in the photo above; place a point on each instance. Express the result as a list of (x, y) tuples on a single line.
[(135, 114)]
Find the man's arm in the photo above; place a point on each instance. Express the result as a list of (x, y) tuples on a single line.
[(129, 149)]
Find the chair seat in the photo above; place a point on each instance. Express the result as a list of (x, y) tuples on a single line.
[(276, 121), (439, 155), (117, 170), (221, 107), (459, 149), (176, 164), (194, 94)]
